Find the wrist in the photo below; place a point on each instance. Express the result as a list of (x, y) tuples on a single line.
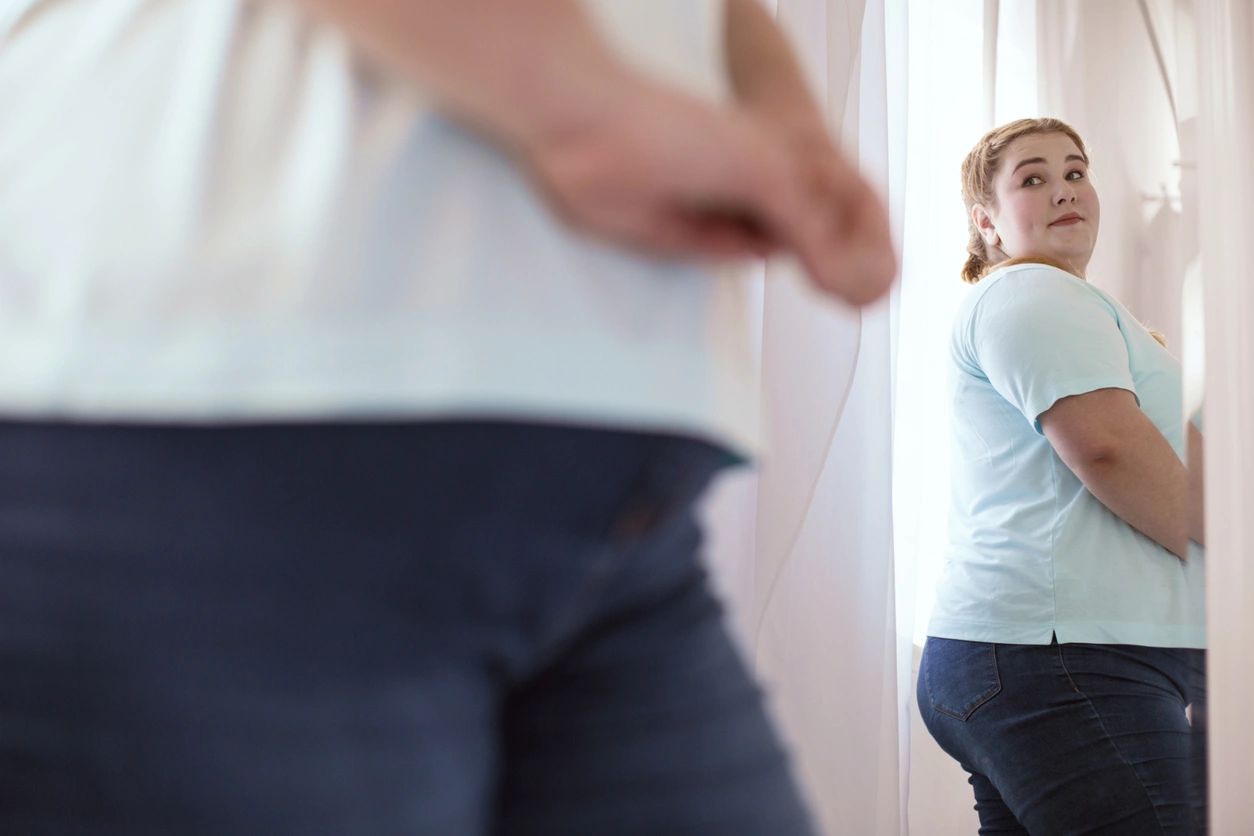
[(766, 75), (514, 72), (553, 104)]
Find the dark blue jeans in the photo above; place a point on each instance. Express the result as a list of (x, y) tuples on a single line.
[(1065, 739), (458, 628)]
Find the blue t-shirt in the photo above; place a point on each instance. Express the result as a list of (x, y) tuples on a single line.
[(1032, 552)]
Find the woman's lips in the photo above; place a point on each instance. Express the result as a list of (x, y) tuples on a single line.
[(1067, 220)]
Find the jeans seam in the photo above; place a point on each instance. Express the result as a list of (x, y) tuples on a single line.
[(566, 624), (1097, 714), (636, 516)]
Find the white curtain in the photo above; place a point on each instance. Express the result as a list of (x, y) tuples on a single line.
[(1164, 89), (968, 69), (1123, 74), (830, 609), (804, 548)]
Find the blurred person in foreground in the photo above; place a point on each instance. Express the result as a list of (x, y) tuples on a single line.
[(361, 369)]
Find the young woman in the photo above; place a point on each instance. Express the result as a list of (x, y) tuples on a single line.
[(351, 426), (1069, 619)]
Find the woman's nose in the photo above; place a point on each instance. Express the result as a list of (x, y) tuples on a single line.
[(1065, 195)]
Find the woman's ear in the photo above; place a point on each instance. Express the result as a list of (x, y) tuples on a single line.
[(984, 223)]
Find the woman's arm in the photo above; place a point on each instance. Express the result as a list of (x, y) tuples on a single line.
[(1124, 461), (1197, 489), (764, 71), (515, 70), (622, 157), (769, 84)]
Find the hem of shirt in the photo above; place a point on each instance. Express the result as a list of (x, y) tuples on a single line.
[(321, 406), (1081, 386), (270, 372), (1140, 634)]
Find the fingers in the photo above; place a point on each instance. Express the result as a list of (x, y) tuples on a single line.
[(702, 234), (725, 234), (864, 238), (700, 181), (848, 249), (825, 213)]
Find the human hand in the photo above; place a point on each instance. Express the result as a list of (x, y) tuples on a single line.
[(628, 159), (852, 230), (661, 172)]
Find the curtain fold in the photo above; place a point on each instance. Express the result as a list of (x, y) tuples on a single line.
[(816, 609), (1100, 70), (804, 550)]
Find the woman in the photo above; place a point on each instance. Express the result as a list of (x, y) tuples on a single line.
[(1069, 618), (348, 476)]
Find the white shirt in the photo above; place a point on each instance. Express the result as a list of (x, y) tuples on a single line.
[(1033, 553), (213, 210)]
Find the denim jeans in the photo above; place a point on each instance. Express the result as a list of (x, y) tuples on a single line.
[(1064, 739), (446, 628)]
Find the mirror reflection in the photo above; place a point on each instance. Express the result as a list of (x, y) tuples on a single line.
[(1064, 665)]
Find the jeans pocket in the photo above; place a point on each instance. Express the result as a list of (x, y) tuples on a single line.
[(960, 676)]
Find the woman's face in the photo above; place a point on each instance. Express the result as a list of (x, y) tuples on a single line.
[(1046, 204)]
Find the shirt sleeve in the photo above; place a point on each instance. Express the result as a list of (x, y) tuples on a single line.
[(1041, 335)]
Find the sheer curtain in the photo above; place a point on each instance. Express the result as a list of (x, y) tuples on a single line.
[(804, 549), (1123, 74), (1165, 90), (973, 65), (828, 554)]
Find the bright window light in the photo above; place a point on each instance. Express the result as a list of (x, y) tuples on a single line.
[(946, 117)]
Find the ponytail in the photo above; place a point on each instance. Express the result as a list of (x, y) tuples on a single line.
[(977, 265)]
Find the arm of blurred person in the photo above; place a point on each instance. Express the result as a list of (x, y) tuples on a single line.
[(769, 83), (1124, 461), (1197, 487), (619, 155)]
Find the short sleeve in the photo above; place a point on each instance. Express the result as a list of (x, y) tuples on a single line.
[(1041, 335)]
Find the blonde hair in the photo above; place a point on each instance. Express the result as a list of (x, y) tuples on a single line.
[(978, 170)]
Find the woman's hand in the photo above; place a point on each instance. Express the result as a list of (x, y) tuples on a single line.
[(626, 159), (770, 87), (662, 172)]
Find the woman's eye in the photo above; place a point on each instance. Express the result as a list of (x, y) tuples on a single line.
[(1034, 180), (1075, 175)]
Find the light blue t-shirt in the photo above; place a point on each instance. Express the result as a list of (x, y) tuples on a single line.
[(1032, 552)]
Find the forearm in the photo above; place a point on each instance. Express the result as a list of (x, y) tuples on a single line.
[(514, 70), (764, 70), (1144, 483), (1197, 492)]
